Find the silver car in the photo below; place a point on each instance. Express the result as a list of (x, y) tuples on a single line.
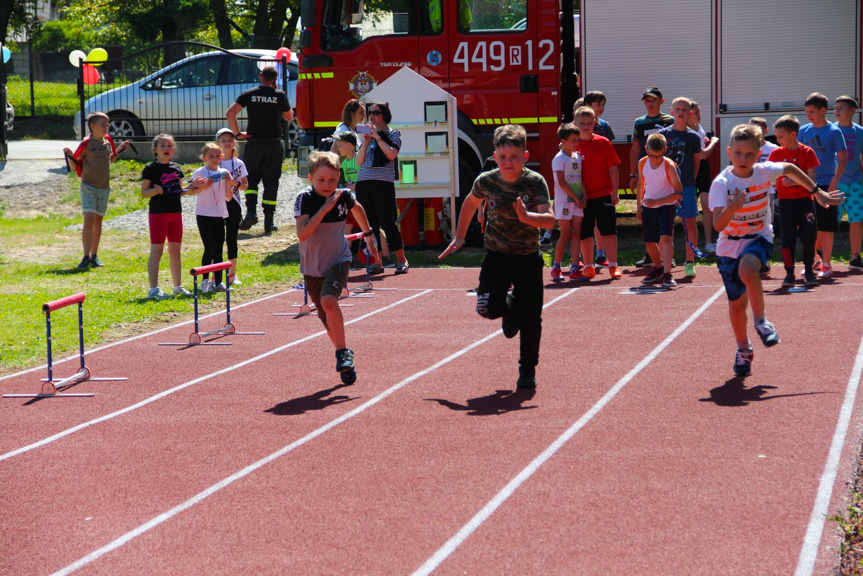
[(188, 98)]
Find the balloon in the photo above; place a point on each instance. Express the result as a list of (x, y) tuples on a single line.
[(91, 75), (283, 52), (263, 62), (6, 54), (97, 56), (75, 56)]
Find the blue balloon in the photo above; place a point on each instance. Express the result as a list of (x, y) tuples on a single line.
[(7, 54)]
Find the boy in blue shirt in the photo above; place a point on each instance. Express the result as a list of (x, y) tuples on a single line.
[(851, 181), (829, 145)]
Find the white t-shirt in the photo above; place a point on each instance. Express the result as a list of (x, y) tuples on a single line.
[(238, 171), (753, 220), (571, 168), (211, 200)]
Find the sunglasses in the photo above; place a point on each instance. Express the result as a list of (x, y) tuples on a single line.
[(375, 113)]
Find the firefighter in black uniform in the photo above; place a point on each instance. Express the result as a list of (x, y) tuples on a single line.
[(263, 154)]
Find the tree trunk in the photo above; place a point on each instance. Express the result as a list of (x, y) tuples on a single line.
[(291, 27), (223, 25), (259, 30)]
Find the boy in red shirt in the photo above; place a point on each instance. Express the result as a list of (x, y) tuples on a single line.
[(796, 208), (600, 178)]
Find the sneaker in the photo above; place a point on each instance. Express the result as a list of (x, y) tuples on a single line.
[(575, 274), (526, 378), (95, 262), (387, 262), (653, 277), (615, 272), (826, 272), (644, 261), (344, 360), (180, 291), (156, 294), (816, 266), (788, 282), (234, 280), (768, 334), (220, 287), (556, 274), (206, 286), (545, 241), (83, 264), (811, 279), (743, 361), (402, 268), (765, 269), (588, 272), (710, 248), (376, 269), (249, 221), (348, 376), (668, 281), (856, 263), (510, 325), (689, 269), (601, 262)]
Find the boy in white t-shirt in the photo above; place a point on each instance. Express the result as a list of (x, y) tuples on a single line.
[(569, 200), (658, 191), (741, 215)]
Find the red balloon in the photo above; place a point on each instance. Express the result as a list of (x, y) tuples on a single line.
[(283, 52), (91, 75)]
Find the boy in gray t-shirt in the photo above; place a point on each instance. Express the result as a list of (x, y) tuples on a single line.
[(325, 256)]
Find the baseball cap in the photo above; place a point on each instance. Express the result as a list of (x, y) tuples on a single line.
[(652, 91), (224, 131)]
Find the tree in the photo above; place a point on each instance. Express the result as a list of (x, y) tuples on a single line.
[(16, 15)]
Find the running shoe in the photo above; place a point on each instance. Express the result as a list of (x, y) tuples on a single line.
[(556, 274), (615, 273), (156, 294), (83, 264), (668, 281), (816, 266), (95, 262), (180, 291), (348, 376), (765, 268), (510, 325), (526, 378), (811, 279), (710, 248), (545, 240), (689, 269), (344, 360), (856, 263), (826, 272), (575, 274), (788, 282), (588, 272), (653, 277), (207, 286), (234, 280), (387, 262), (376, 269), (402, 268), (220, 287), (768, 334), (644, 261), (743, 361), (601, 262)]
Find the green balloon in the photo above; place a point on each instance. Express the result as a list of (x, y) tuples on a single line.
[(97, 56)]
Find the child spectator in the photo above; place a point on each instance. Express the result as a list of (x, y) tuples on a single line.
[(162, 183), (211, 212), (684, 148), (568, 200), (766, 145), (518, 205), (92, 162), (658, 191), (596, 100), (738, 198), (703, 177), (601, 179), (325, 257), (643, 127), (226, 141), (851, 182), (829, 145), (796, 209)]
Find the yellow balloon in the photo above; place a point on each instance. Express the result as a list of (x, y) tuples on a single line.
[(97, 56)]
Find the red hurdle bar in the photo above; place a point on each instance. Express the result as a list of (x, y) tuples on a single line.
[(49, 387), (196, 338)]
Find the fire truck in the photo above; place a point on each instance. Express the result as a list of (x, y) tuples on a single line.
[(517, 61)]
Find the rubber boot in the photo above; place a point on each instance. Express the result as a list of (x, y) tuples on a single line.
[(251, 212), (269, 227)]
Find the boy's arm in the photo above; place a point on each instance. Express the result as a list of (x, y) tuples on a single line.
[(614, 175), (363, 222), (722, 216), (842, 162), (542, 218), (708, 150), (639, 196), (800, 177), (468, 208), (306, 225), (633, 162), (119, 150)]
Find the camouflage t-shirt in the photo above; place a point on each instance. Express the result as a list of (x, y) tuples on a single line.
[(504, 232)]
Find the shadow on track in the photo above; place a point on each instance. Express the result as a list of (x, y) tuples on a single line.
[(500, 402), (317, 401), (734, 393)]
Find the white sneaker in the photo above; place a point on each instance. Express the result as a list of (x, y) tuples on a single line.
[(710, 248), (156, 294), (180, 291), (206, 286), (220, 287), (234, 281)]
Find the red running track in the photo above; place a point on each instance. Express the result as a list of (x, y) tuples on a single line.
[(638, 453)]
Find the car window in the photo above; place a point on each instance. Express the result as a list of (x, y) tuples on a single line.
[(242, 71), (200, 72)]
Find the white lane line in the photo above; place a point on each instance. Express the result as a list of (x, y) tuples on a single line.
[(144, 335), (131, 535), (165, 393), (809, 551), (453, 543)]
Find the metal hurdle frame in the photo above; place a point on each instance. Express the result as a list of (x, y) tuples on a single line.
[(196, 338), (50, 387)]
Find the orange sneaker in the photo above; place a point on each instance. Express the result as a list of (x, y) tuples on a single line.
[(588, 272), (615, 272)]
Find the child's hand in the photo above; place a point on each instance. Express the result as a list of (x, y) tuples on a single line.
[(638, 213), (68, 153), (242, 136), (827, 199), (455, 245), (199, 183), (124, 145), (738, 200), (157, 190), (333, 198), (372, 248), (648, 203), (615, 199), (520, 209)]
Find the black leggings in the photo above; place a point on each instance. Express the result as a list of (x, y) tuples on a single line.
[(797, 217), (524, 274), (232, 227), (212, 229), (378, 199)]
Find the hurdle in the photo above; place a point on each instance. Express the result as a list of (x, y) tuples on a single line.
[(50, 387), (196, 338)]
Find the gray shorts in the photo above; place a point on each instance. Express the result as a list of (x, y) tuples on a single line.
[(94, 199)]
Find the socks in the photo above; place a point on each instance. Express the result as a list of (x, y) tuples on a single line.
[(600, 253), (745, 345), (612, 264), (758, 319)]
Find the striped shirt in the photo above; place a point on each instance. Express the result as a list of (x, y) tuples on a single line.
[(385, 173)]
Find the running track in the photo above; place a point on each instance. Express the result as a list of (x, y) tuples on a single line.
[(638, 453)]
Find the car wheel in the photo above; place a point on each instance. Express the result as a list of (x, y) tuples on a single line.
[(294, 133), (122, 126)]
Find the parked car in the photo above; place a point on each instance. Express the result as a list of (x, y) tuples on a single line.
[(186, 99)]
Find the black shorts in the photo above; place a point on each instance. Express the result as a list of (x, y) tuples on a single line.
[(599, 212), (827, 218), (657, 222), (333, 284)]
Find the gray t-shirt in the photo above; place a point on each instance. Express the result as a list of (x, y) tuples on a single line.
[(326, 247)]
